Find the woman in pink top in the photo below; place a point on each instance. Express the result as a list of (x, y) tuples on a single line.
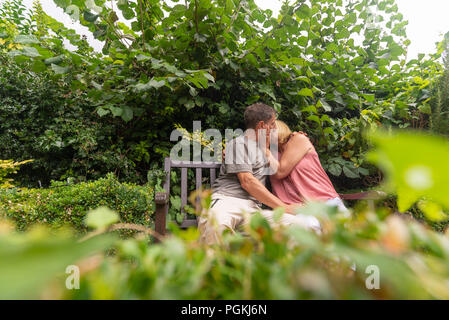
[(299, 176)]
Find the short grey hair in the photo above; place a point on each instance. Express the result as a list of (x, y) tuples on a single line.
[(257, 112)]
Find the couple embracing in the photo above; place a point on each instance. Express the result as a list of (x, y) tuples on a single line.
[(295, 173)]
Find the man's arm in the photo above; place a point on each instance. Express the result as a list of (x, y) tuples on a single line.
[(256, 189)]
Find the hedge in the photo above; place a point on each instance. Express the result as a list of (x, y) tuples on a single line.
[(68, 204)]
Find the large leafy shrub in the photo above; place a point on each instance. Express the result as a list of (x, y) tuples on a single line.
[(44, 121), (208, 59)]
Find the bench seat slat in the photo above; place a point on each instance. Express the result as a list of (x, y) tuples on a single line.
[(198, 178), (189, 223), (193, 164), (212, 177), (368, 195)]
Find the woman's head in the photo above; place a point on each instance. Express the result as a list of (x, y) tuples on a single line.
[(284, 132)]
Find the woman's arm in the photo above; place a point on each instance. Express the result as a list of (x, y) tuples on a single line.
[(295, 149)]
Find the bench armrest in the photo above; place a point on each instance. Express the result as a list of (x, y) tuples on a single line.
[(161, 200), (368, 195)]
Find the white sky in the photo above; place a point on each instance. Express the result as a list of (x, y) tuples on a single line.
[(428, 21)]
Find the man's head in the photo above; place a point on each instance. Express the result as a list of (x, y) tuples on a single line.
[(260, 116)]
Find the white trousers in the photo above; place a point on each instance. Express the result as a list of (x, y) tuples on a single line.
[(337, 202), (229, 213)]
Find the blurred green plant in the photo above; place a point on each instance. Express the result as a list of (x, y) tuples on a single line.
[(415, 164), (264, 262), (275, 263), (30, 262)]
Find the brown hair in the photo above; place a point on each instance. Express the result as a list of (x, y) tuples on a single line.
[(257, 112)]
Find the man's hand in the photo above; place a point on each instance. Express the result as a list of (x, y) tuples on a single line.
[(256, 189)]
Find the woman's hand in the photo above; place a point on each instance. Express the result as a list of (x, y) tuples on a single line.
[(300, 132), (223, 155)]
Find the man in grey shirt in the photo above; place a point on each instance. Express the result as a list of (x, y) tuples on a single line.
[(240, 188)]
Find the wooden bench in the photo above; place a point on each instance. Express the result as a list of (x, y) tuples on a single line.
[(162, 198)]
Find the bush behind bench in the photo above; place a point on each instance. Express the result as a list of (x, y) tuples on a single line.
[(67, 205)]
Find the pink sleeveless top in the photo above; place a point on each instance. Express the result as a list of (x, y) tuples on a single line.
[(307, 182)]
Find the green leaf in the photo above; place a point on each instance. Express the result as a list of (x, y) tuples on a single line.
[(209, 76), (156, 84), (329, 131), (351, 172), (353, 96), (101, 218), (90, 17), (142, 57), (306, 92), (128, 13), (363, 171), (127, 114), (117, 112), (304, 11), (38, 66), (30, 261), (149, 85), (193, 92), (102, 112), (59, 70), (425, 108), (415, 164), (55, 60), (113, 16), (30, 52), (369, 97), (432, 211), (335, 169), (326, 106), (314, 118), (304, 78), (189, 104), (62, 3), (26, 39)]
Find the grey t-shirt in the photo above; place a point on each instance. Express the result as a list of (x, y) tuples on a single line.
[(242, 155)]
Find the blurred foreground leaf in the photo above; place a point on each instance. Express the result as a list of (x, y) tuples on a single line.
[(101, 218), (29, 261), (415, 164)]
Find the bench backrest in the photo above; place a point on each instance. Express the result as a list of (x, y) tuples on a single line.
[(162, 199), (184, 166)]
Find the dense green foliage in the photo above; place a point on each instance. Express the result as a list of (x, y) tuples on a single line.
[(68, 205), (206, 60), (44, 121), (439, 120)]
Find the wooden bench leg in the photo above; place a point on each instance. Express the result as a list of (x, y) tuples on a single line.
[(161, 200)]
